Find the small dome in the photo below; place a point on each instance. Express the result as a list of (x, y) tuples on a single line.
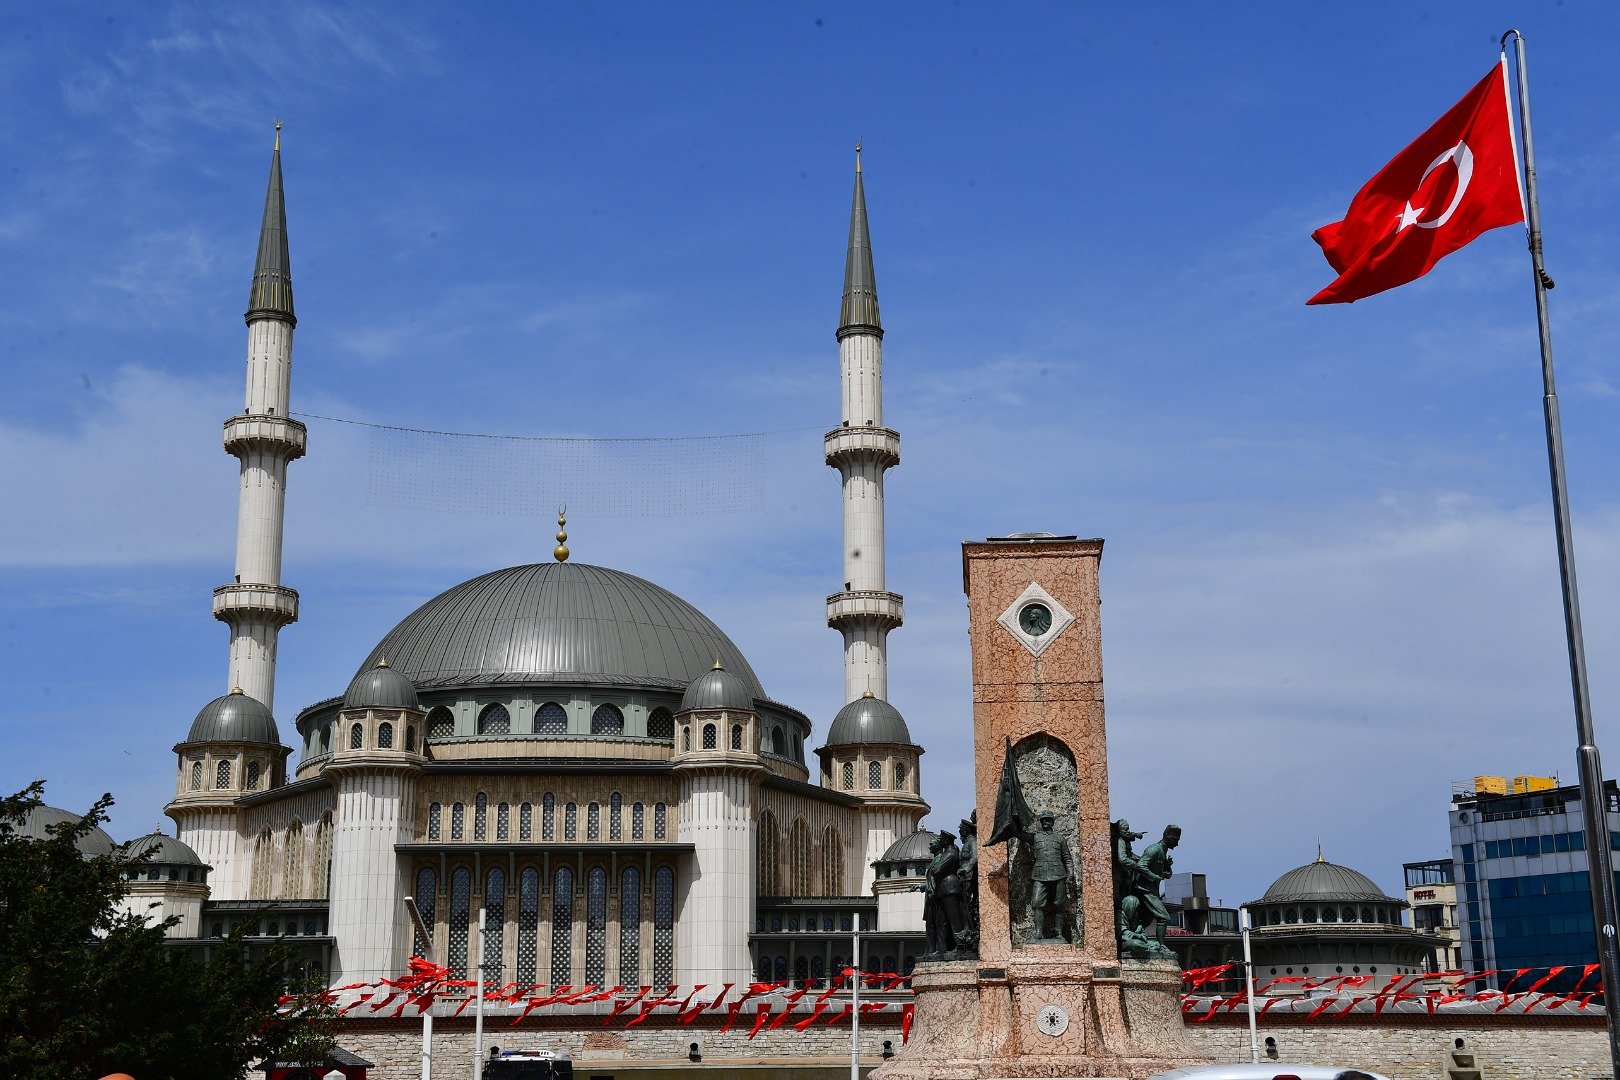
[(717, 688), (913, 848), (1322, 880), (39, 820), (166, 850), (381, 687), (866, 720), (234, 718)]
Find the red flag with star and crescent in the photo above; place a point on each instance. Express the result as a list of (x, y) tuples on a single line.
[(1457, 180)]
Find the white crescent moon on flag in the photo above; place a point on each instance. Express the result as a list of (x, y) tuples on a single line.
[(1464, 160)]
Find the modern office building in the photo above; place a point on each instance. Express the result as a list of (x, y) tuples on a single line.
[(1519, 860)]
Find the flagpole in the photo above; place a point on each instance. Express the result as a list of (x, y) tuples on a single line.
[(1594, 817)]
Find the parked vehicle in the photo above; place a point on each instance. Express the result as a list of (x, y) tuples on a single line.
[(528, 1065)]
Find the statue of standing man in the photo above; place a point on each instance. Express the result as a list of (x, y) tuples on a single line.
[(1051, 864)]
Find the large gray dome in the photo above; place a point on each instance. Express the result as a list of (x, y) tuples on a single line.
[(559, 623), (1322, 880), (235, 717), (866, 720), (40, 819)]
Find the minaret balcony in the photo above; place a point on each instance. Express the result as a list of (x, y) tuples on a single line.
[(873, 604), (863, 443), (276, 604), (261, 432)]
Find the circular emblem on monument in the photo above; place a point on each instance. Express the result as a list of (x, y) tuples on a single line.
[(1052, 1020), (1035, 619)]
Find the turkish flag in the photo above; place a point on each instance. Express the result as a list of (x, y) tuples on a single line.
[(1457, 180)]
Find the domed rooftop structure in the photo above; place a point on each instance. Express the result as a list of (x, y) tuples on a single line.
[(381, 687), (717, 688), (913, 848), (40, 819), (235, 717), (166, 850), (559, 623), (867, 720), (1322, 880)]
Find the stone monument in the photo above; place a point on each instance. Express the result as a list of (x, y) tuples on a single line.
[(1049, 994)]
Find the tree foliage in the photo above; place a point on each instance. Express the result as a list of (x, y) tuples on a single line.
[(87, 990)]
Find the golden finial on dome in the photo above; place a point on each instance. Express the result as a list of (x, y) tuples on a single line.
[(561, 553), (718, 666), (1319, 852), (382, 661), (278, 135), (237, 690)]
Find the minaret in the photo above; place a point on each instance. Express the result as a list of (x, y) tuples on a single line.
[(264, 439), (862, 450)]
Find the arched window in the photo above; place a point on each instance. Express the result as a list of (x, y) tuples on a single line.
[(494, 720), (551, 719), (818, 970), (427, 899), (253, 773), (595, 926), (781, 968), (607, 720), (562, 926), (526, 822), (801, 969), (736, 737), (768, 868), (778, 742), (385, 736), (410, 739), (321, 864), (638, 816), (686, 738), (799, 858), (615, 810), (709, 737), (494, 923), (222, 775), (660, 820), (460, 908), (874, 775), (849, 776), (661, 724), (593, 821), (570, 821), (435, 813), (503, 821), (630, 927), (326, 737), (480, 815), (528, 925), (548, 817), (832, 863), (900, 776), (357, 737), (663, 926), (458, 818), (441, 724), (196, 776), (293, 862)]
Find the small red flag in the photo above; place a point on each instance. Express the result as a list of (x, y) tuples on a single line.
[(1455, 181), (907, 1014)]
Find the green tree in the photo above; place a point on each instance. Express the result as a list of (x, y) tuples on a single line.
[(86, 990)]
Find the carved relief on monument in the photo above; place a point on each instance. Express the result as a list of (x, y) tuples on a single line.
[(1046, 772)]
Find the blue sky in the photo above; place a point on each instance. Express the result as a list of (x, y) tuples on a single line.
[(1330, 586)]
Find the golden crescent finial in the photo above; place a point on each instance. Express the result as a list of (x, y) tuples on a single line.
[(561, 551)]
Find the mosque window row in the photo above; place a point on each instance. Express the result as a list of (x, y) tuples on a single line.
[(799, 874), (548, 821), (298, 868), (222, 773), (594, 932), (899, 776), (551, 718), (1295, 914), (820, 967), (813, 922)]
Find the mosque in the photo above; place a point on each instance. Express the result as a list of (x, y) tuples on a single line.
[(581, 756)]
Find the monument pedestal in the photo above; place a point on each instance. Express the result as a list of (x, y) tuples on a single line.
[(1049, 1012)]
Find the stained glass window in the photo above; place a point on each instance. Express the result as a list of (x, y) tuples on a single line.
[(548, 817), (503, 821), (661, 724), (615, 811), (460, 908), (458, 818), (494, 720), (638, 817), (593, 821), (660, 818), (570, 821), (607, 720), (528, 925), (253, 776), (551, 719), (595, 926), (630, 927), (385, 736), (663, 926), (435, 812), (562, 927), (427, 902), (494, 923), (440, 724), (357, 737), (222, 775), (480, 815)]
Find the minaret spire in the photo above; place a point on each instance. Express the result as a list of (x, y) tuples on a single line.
[(862, 450), (264, 439)]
